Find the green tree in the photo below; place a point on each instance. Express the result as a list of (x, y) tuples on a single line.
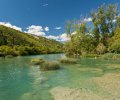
[(114, 43), (68, 28)]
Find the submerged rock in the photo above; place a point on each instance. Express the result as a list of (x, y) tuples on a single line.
[(93, 70), (65, 93), (110, 83), (37, 61)]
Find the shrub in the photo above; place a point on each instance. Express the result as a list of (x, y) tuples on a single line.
[(6, 50), (16, 53), (37, 61), (68, 61), (47, 65), (101, 49)]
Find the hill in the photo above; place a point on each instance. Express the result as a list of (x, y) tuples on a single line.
[(20, 41)]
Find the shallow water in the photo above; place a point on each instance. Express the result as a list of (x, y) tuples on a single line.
[(21, 81)]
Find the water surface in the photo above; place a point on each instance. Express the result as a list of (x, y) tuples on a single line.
[(19, 80)]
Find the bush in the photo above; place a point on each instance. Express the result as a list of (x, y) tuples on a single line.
[(47, 65), (68, 61), (6, 50), (101, 49), (38, 61)]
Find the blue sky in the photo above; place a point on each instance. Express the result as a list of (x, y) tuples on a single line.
[(49, 14)]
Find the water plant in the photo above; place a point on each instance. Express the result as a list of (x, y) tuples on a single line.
[(49, 65), (68, 61), (37, 61)]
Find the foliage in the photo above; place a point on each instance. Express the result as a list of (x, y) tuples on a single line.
[(118, 22), (80, 44), (49, 65), (111, 56), (101, 49), (13, 42), (101, 39), (114, 43)]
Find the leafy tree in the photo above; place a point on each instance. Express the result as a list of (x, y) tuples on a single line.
[(68, 28), (118, 21), (103, 21), (114, 43)]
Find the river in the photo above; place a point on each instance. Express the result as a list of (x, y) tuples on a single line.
[(19, 80)]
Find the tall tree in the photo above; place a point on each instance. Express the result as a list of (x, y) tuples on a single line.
[(68, 28)]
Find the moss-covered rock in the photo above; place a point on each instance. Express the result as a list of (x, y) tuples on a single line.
[(68, 61), (49, 65), (37, 61)]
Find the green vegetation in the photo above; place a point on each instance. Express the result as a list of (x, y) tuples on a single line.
[(90, 56), (103, 38), (49, 65), (114, 44), (68, 61), (16, 43), (110, 56), (37, 61)]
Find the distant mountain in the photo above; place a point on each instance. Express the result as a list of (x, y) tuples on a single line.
[(12, 37)]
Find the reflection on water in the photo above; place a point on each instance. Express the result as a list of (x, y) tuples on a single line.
[(21, 81)]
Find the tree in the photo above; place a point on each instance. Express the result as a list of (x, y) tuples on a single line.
[(103, 20), (68, 28), (114, 43), (118, 21)]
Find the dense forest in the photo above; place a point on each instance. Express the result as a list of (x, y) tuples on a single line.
[(103, 37), (13, 42)]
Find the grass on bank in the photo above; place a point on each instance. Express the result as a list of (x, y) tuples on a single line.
[(110, 56)]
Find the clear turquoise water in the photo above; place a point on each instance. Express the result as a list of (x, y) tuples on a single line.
[(21, 81)]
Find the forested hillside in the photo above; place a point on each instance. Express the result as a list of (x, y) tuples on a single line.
[(18, 43)]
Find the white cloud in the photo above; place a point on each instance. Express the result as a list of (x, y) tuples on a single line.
[(8, 24), (53, 37), (63, 37), (114, 21), (58, 28), (39, 31), (88, 19), (46, 29), (36, 30), (45, 5), (74, 33)]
